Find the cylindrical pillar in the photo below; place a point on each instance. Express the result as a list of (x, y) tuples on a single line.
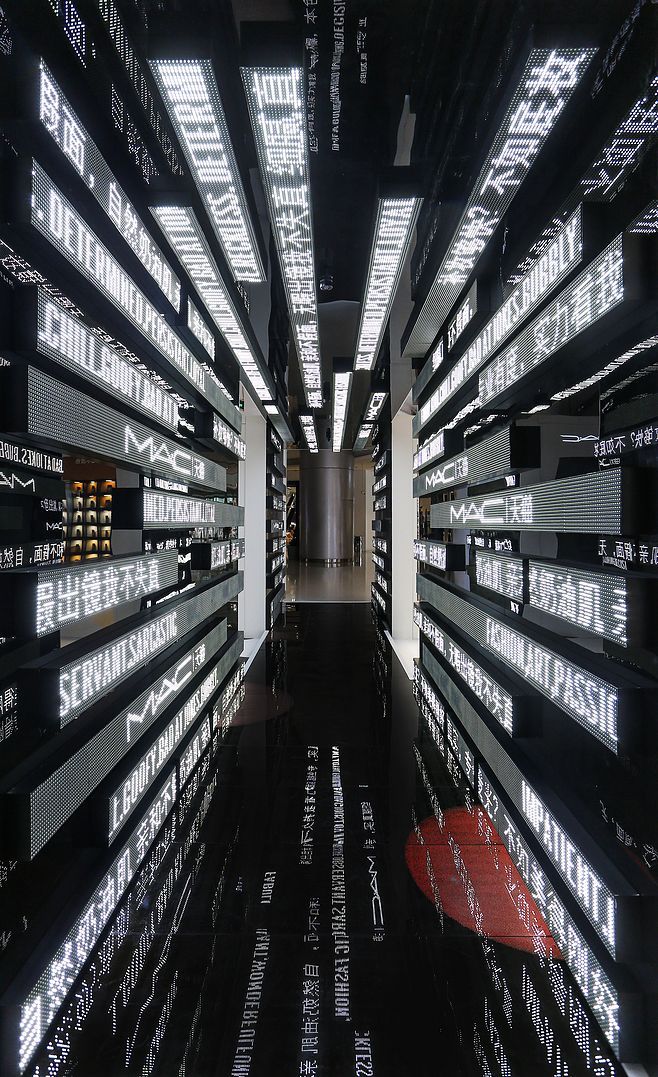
[(326, 506)]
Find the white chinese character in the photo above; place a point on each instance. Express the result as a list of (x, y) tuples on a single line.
[(49, 106), (73, 141)]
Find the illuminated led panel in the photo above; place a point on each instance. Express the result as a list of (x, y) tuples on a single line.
[(61, 122), (45, 599), (153, 510), (500, 573), (595, 292), (430, 450), (491, 695), (563, 254), (277, 107), (185, 234), (40, 1002), (55, 412), (341, 397), (395, 222), (379, 485), (592, 702), (374, 406), (68, 341), (191, 96), (123, 799), (51, 801), (86, 679), (223, 435), (212, 555), (549, 78), (197, 325), (489, 459), (604, 998), (622, 152), (590, 504), (593, 601), (608, 901), (12, 452), (444, 556), (56, 219), (363, 436), (465, 313), (602, 995), (307, 423)]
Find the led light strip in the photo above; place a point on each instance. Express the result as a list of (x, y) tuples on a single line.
[(444, 556), (58, 413), (71, 592), (594, 601), (586, 698), (600, 896), (595, 292), (185, 234), (122, 800), (600, 992), (558, 260), (84, 680), (189, 91), (396, 218), (490, 694), (56, 219), (68, 341), (430, 450), (41, 1002), (549, 78), (342, 381), (51, 801), (489, 459), (161, 510), (589, 504), (500, 573), (307, 423), (278, 117), (197, 325), (61, 122)]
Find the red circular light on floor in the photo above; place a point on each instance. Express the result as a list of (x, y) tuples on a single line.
[(465, 864)]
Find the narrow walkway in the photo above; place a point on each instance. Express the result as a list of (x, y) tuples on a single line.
[(313, 919), (330, 977)]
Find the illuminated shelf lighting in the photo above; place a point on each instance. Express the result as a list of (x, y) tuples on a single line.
[(184, 232), (549, 79), (341, 396), (307, 423), (278, 118), (396, 218), (191, 96)]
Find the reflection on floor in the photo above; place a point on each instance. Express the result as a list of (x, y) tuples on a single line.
[(329, 583), (329, 900)]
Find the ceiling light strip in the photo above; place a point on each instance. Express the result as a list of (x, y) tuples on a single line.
[(341, 397), (396, 218), (277, 110), (307, 423), (184, 232), (189, 91)]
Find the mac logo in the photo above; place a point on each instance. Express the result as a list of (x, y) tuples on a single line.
[(164, 453), (449, 473), (487, 512)]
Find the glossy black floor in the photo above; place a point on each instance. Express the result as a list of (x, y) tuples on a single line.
[(283, 933)]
